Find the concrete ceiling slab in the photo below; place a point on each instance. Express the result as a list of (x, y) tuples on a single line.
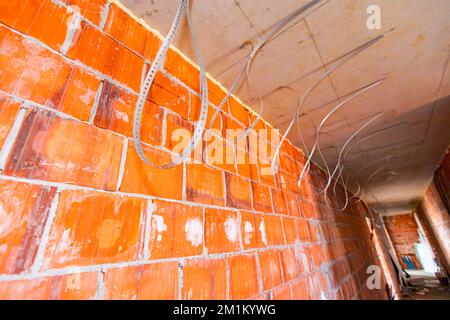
[(412, 134)]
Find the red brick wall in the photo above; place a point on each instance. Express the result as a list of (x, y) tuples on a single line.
[(435, 216), (83, 217), (404, 234)]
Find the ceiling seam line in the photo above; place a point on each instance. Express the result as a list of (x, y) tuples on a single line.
[(252, 25), (320, 57)]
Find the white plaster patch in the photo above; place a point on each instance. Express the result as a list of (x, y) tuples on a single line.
[(283, 181), (73, 25), (231, 229), (122, 116), (194, 231), (88, 96), (248, 229), (159, 225), (262, 229)]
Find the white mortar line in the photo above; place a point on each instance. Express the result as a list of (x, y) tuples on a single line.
[(282, 229), (104, 16), (144, 73), (180, 279), (150, 209), (224, 185), (39, 260), (72, 28), (183, 185), (164, 128), (280, 263), (241, 238), (122, 163), (205, 249), (100, 292), (12, 136), (259, 273), (227, 279), (96, 102)]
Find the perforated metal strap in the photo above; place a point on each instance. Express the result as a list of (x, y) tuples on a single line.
[(354, 134), (183, 8)]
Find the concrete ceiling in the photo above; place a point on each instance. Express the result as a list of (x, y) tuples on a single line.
[(413, 131)]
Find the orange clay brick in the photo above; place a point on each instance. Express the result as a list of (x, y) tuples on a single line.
[(182, 70), (167, 93), (288, 183), (270, 264), (314, 231), (230, 124), (194, 113), (306, 188), (125, 29), (205, 279), (254, 172), (115, 112), (290, 229), (106, 55), (156, 281), (140, 177), (25, 210), (285, 163), (243, 277), (302, 257), (279, 202), (324, 231), (261, 198), (250, 230), (302, 230), (238, 192), (265, 178), (300, 289), (216, 95), (204, 184), (317, 254), (93, 228), (90, 156), (239, 112), (292, 204), (262, 296), (176, 230), (40, 19), (308, 209), (77, 286), (44, 77), (259, 125), (289, 263), (282, 292), (244, 164), (174, 123), (273, 229), (90, 9), (219, 152), (152, 45), (222, 231), (8, 112)]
